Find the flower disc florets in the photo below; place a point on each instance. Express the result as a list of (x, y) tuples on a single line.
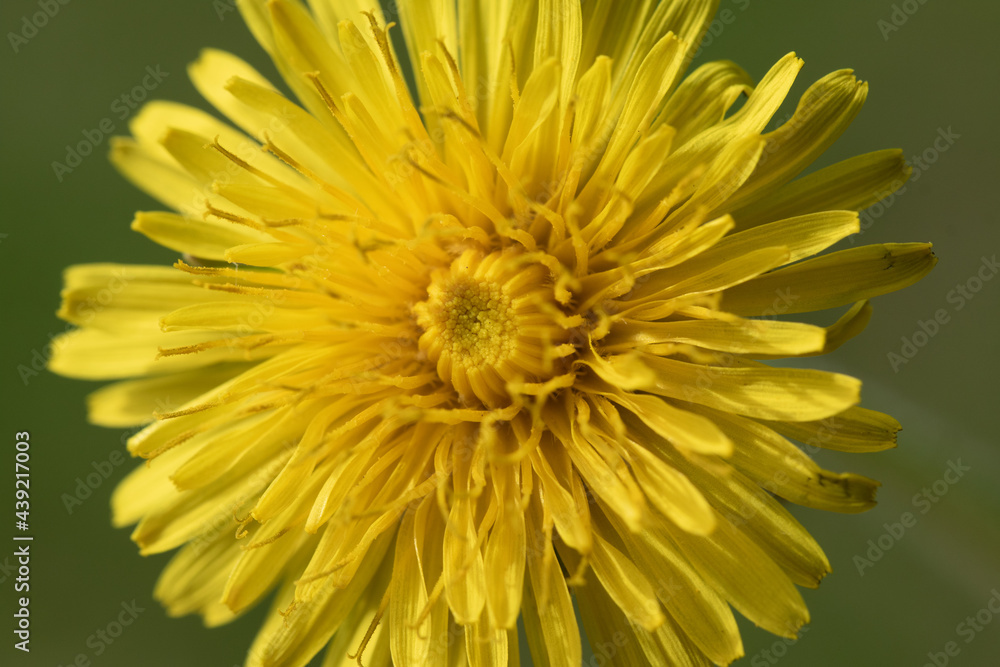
[(489, 320)]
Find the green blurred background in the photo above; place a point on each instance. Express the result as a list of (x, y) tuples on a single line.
[(935, 73)]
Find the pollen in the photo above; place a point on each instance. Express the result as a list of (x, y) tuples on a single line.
[(477, 323)]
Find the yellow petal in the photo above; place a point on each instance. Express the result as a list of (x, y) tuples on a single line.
[(850, 324), (423, 23), (615, 639), (854, 184), (758, 391), (756, 512), (755, 586), (152, 174), (156, 121), (505, 553), (832, 280), (593, 93), (752, 117), (329, 14), (262, 562), (203, 238), (346, 648), (410, 641), (703, 98), (680, 281), (262, 315), (145, 489), (804, 236), (488, 648), (691, 603), (549, 620), (464, 569), (762, 454), (295, 637), (133, 402), (630, 589), (854, 430), (725, 174), (559, 34), (739, 336), (673, 494), (604, 473), (204, 510), (193, 579), (822, 115), (552, 466), (685, 430), (91, 354)]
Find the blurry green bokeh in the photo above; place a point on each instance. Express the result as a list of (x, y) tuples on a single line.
[(935, 74)]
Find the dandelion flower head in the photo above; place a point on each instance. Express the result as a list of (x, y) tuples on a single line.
[(432, 361)]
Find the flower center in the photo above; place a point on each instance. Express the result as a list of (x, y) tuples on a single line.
[(487, 321), (476, 321)]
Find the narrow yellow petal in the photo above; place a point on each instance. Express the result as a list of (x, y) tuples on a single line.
[(655, 77), (673, 494), (625, 583), (410, 641), (193, 579), (549, 620), (485, 647), (822, 115), (833, 280), (804, 236), (203, 238), (761, 454), (685, 430), (306, 627), (90, 354), (464, 569), (504, 560), (680, 281), (854, 430), (752, 582), (741, 336), (145, 489), (759, 391), (352, 643), (133, 402), (854, 184), (697, 608), (849, 325), (703, 98), (560, 34)]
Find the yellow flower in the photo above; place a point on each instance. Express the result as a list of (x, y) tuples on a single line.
[(431, 367)]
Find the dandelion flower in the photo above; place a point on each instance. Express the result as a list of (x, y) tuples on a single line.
[(438, 360)]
